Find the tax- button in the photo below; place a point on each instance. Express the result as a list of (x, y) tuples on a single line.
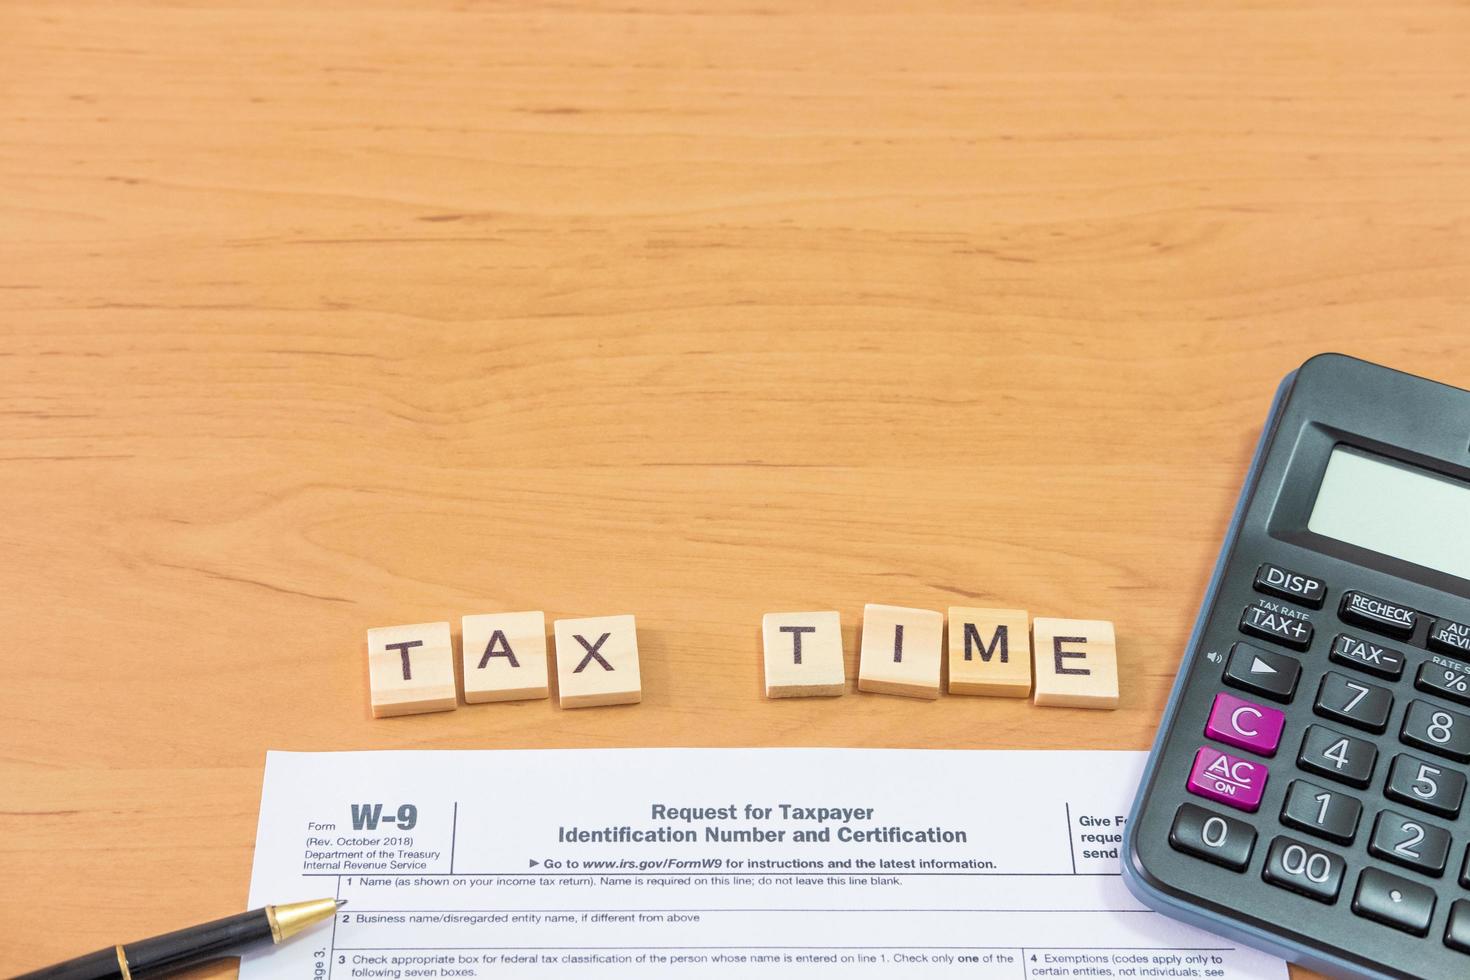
[(1276, 626), (1271, 674), (1378, 614), (1286, 584), (1245, 725), (1227, 779), (1367, 656)]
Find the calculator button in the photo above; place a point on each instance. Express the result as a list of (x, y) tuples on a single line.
[(1227, 779), (1427, 785), (1271, 674), (1321, 811), (1245, 725), (1377, 614), (1305, 869), (1410, 841), (1465, 870), (1394, 901), (1359, 704), (1286, 584), (1338, 756), (1457, 930), (1218, 839), (1447, 636), (1437, 729), (1367, 655), (1448, 678), (1269, 624)]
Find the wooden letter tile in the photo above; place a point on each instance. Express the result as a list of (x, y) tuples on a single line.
[(1076, 663), (411, 669), (803, 655), (597, 661), (504, 657), (900, 651), (989, 652)]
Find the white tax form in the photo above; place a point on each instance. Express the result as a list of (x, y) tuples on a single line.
[(716, 862)]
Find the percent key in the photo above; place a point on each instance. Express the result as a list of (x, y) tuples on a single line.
[(1445, 677)]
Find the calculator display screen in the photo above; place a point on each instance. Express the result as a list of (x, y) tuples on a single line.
[(1396, 510)]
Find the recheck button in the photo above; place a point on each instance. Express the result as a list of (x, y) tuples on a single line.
[(1378, 614)]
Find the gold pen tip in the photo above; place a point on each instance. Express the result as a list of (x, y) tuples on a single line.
[(341, 902), (287, 920)]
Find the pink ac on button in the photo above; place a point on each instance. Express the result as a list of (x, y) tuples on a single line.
[(1245, 724), (1225, 779)]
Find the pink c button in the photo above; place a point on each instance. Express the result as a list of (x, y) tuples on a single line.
[(1245, 724)]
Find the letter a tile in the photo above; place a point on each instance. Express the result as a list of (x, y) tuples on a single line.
[(411, 669), (989, 652), (900, 651), (504, 657), (803, 654), (1076, 663), (597, 661)]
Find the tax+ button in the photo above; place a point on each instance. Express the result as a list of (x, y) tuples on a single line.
[(1244, 724), (1276, 626)]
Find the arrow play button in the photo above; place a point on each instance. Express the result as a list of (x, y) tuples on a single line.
[(535, 863), (1265, 672)]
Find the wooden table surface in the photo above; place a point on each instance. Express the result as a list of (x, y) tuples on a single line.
[(319, 320)]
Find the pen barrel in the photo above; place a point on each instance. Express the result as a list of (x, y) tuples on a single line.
[(196, 944), (101, 965)]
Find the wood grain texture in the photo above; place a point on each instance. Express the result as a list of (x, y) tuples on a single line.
[(313, 320)]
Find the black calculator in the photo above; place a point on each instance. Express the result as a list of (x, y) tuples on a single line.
[(1307, 793)]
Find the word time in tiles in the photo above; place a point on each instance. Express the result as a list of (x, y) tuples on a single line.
[(989, 652)]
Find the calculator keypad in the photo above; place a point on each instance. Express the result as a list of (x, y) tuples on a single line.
[(1228, 779), (1379, 615), (1321, 811), (1212, 836), (1293, 586), (1394, 901), (1450, 679), (1457, 930), (1448, 636), (1410, 841), (1357, 700), (1245, 724), (1271, 624), (1304, 868), (1365, 655), (1338, 756), (1430, 786), (1437, 730), (1273, 675)]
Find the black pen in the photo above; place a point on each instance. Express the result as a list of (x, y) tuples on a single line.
[(187, 947)]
